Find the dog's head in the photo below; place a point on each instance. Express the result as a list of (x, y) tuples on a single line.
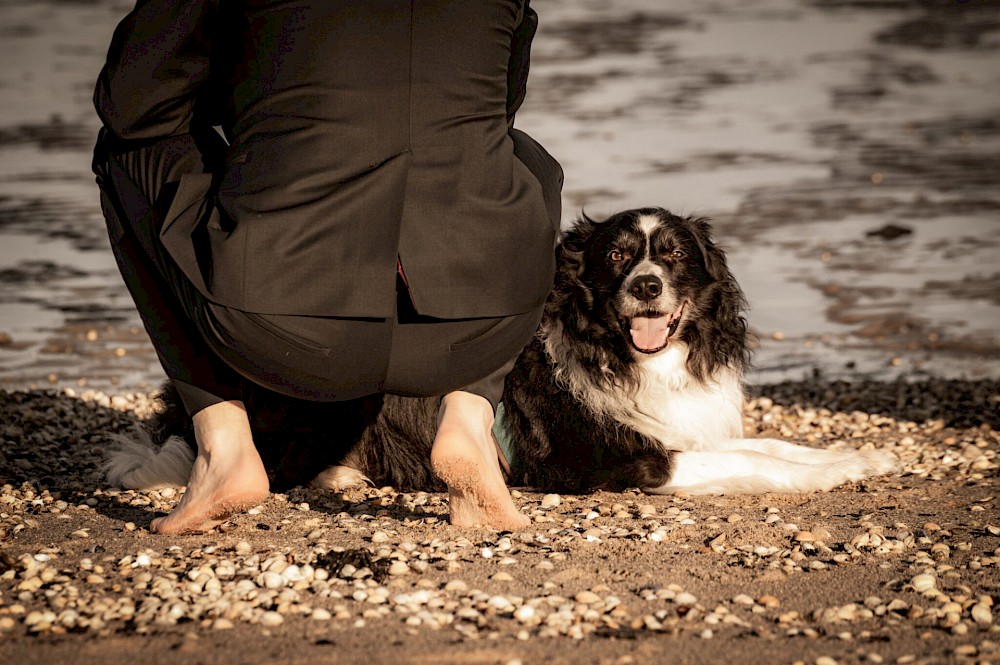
[(645, 279)]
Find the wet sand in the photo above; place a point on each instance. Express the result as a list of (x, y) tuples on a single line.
[(808, 131)]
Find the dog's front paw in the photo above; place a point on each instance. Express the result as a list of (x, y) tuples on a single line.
[(880, 462), (862, 464), (338, 478)]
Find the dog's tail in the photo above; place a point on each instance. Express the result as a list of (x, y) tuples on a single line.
[(138, 463)]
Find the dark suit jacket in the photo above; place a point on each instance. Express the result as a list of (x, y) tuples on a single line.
[(359, 133)]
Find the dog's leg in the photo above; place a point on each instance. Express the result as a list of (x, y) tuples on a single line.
[(338, 477), (750, 471), (882, 460)]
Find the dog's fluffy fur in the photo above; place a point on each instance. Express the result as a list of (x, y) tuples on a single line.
[(634, 379)]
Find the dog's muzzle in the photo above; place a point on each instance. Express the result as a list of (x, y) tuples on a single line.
[(646, 288)]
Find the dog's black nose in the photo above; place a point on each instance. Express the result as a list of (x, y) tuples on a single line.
[(646, 287)]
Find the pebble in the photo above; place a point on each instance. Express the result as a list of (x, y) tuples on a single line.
[(550, 501), (271, 619), (399, 568), (525, 613), (923, 582), (685, 598), (981, 614)]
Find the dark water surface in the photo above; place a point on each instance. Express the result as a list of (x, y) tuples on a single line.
[(849, 153)]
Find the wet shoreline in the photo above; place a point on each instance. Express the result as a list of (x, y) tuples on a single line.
[(801, 128)]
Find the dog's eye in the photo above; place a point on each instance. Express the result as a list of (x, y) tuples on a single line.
[(615, 256), (678, 254)]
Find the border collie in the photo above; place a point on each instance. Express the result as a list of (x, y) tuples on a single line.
[(634, 379)]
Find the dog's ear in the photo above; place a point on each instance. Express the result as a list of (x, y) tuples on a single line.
[(570, 262), (715, 258), (726, 303), (573, 246)]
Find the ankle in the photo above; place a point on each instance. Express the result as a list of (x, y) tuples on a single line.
[(221, 427), (469, 409)]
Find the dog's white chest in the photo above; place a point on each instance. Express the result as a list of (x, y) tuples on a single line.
[(682, 413)]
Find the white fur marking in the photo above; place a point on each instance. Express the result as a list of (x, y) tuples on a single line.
[(648, 223), (680, 412), (139, 464), (338, 478), (668, 404), (744, 466)]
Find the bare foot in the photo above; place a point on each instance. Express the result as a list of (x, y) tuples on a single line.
[(464, 457), (227, 477)]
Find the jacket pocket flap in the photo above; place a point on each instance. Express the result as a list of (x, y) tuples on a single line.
[(189, 207)]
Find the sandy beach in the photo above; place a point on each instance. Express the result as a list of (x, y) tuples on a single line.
[(848, 153)]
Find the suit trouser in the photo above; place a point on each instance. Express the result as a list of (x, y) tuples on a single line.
[(214, 353)]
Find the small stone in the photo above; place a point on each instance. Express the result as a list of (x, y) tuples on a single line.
[(587, 597), (848, 612), (222, 624), (735, 517), (923, 582), (320, 614), (271, 580), (456, 585), (243, 548), (399, 568), (271, 619), (981, 614), (686, 599), (551, 501), (380, 537), (525, 613), (825, 660), (805, 537)]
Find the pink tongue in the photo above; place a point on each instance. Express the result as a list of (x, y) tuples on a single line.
[(650, 334)]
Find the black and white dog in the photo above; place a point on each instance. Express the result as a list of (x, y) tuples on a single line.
[(634, 379)]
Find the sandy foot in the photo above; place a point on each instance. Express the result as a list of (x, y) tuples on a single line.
[(228, 475), (464, 457)]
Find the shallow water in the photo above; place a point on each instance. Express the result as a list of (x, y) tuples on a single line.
[(799, 127)]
